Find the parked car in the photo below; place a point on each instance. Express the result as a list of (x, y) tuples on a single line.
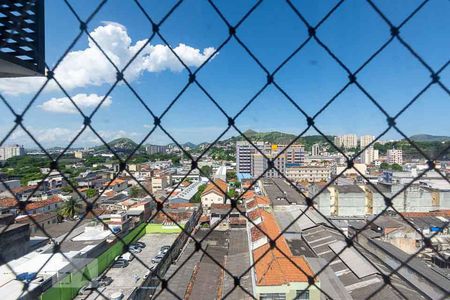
[(120, 263), (135, 249), (88, 288), (127, 256), (165, 247), (157, 259), (139, 244), (162, 252), (105, 281)]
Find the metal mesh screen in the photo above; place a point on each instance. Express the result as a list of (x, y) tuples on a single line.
[(159, 281)]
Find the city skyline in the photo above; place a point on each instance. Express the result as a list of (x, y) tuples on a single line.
[(231, 76)]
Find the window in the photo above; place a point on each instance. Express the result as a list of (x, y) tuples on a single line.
[(302, 295), (272, 296)]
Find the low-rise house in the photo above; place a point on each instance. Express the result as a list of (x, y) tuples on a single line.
[(43, 219), (117, 185), (117, 222), (278, 273), (214, 193)]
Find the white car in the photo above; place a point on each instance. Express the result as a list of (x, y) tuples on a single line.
[(127, 256)]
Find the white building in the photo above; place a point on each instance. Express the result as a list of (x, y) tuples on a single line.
[(221, 173), (395, 156), (365, 140), (369, 156), (346, 141), (315, 150), (309, 173), (10, 151), (214, 194), (152, 149), (78, 154)]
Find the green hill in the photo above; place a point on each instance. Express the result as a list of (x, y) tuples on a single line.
[(276, 137), (429, 138), (118, 145)]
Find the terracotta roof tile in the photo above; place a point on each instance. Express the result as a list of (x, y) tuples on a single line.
[(115, 182), (277, 266), (210, 187), (8, 202), (43, 203)]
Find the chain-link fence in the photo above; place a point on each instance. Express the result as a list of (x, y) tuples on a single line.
[(206, 243)]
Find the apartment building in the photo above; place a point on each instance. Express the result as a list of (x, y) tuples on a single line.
[(244, 152), (395, 156), (251, 161), (369, 156), (365, 140), (261, 164), (10, 151), (315, 150), (153, 149), (346, 141), (310, 173), (294, 154)]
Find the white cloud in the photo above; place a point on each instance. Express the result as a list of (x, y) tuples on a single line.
[(89, 67), (64, 105), (47, 136)]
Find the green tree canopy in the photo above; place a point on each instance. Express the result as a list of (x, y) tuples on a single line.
[(70, 208)]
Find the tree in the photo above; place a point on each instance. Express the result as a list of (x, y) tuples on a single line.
[(198, 196), (396, 167), (70, 208), (91, 193), (384, 166), (136, 192), (231, 193), (206, 170), (231, 176)]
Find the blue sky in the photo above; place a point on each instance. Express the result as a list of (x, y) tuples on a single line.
[(232, 77)]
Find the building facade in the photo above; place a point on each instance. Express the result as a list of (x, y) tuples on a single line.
[(365, 140), (315, 150), (10, 151), (346, 141), (395, 156), (244, 152), (309, 173)]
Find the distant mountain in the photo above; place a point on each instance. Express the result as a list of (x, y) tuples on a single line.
[(119, 145), (188, 144), (276, 137), (429, 138)]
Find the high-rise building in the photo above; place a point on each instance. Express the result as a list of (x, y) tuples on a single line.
[(261, 164), (295, 154), (250, 160), (315, 150), (244, 152), (347, 141), (368, 156), (10, 151), (153, 149), (365, 140), (395, 156)]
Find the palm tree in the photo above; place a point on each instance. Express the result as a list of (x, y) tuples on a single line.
[(70, 208)]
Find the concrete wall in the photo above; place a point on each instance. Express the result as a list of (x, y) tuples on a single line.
[(351, 204), (14, 241)]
